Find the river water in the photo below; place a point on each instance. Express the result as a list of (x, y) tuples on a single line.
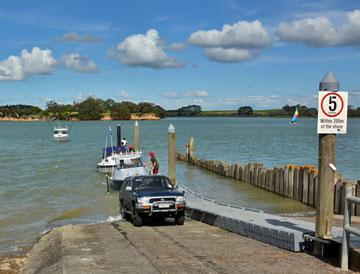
[(45, 184)]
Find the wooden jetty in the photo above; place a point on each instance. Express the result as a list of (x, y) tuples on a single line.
[(291, 181)]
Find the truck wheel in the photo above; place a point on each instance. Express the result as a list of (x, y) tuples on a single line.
[(123, 213), (180, 219), (136, 219)]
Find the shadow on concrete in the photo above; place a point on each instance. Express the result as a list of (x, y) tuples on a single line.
[(287, 224)]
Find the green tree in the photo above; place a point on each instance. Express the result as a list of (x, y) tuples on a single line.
[(90, 109), (120, 111), (108, 104), (245, 111), (132, 106), (191, 110), (145, 107)]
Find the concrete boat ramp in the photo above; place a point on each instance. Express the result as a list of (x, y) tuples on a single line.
[(283, 232), (195, 247)]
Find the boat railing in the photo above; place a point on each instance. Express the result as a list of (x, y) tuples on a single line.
[(127, 155)]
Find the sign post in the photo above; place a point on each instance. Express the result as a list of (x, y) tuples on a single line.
[(332, 115), (332, 120)]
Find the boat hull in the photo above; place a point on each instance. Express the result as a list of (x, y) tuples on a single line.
[(104, 169), (61, 138), (106, 165), (115, 184)]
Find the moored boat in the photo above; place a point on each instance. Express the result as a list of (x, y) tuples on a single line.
[(108, 161), (61, 134)]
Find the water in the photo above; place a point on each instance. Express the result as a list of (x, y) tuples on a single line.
[(45, 184)]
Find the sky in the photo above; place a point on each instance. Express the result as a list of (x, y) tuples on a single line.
[(219, 54)]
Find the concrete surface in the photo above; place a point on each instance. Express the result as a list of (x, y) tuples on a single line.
[(283, 232), (194, 247)]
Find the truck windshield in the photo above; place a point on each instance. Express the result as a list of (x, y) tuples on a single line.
[(152, 183)]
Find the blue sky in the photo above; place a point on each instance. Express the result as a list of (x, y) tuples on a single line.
[(217, 54)]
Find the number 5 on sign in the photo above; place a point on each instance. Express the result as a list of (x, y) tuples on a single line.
[(332, 112)]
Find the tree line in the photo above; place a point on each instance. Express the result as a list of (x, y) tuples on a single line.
[(95, 109), (89, 109)]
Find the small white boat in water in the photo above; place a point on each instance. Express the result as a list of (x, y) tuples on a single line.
[(127, 164), (108, 162), (61, 134)]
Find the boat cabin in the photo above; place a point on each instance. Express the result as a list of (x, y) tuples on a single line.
[(60, 131)]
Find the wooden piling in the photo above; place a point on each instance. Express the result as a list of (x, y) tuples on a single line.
[(190, 149), (296, 183), (136, 136), (312, 187), (277, 180), (281, 181), (305, 186), (286, 181), (290, 192), (337, 197), (172, 154), (300, 184)]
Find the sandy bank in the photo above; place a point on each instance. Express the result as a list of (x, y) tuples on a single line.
[(136, 116), (25, 119)]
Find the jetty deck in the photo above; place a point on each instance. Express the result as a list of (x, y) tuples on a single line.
[(194, 247), (284, 232)]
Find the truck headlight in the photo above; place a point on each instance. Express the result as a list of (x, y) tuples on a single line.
[(143, 200), (180, 199)]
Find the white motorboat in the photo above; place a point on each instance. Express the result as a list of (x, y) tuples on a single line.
[(127, 164), (108, 161), (61, 134)]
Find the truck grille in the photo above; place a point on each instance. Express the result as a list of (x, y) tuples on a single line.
[(165, 199)]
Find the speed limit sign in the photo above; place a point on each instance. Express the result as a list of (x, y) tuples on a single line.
[(332, 112)]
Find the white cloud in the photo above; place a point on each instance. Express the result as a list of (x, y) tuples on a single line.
[(189, 93), (321, 32), (242, 34), (196, 93), (231, 55), (177, 46), (77, 63), (171, 95), (234, 43), (141, 50), (11, 69), (72, 36), (38, 61), (124, 95)]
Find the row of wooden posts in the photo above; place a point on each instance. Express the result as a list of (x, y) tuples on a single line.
[(291, 181)]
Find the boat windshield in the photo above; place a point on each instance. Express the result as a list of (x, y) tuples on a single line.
[(152, 183), (130, 163), (63, 131)]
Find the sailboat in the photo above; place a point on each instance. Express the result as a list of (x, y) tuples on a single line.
[(295, 118)]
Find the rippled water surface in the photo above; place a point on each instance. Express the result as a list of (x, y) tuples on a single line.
[(45, 184)]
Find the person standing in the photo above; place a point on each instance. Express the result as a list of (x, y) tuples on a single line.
[(154, 162)]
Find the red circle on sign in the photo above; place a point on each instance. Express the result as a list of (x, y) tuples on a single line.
[(342, 104)]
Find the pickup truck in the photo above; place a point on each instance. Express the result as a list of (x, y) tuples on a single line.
[(151, 196)]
